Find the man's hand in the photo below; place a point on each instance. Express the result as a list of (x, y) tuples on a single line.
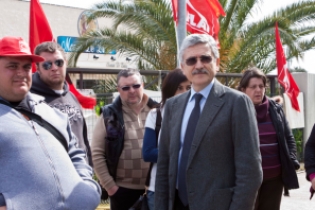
[(111, 191), (3, 208)]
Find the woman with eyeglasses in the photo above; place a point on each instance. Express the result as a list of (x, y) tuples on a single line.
[(277, 144), (173, 84)]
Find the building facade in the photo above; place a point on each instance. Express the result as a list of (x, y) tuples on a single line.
[(64, 21)]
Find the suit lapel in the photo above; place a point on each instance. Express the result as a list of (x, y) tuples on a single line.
[(212, 106), (178, 109)]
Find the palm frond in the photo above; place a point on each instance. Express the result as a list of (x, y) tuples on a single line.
[(144, 30)]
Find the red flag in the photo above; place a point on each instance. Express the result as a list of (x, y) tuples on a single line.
[(39, 27), (202, 16), (284, 76), (174, 9), (40, 31)]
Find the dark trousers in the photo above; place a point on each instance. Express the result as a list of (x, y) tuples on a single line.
[(178, 205), (124, 198), (270, 194)]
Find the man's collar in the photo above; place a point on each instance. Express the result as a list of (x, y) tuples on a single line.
[(204, 92)]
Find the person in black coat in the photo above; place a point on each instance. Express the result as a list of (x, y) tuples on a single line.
[(309, 160), (277, 144)]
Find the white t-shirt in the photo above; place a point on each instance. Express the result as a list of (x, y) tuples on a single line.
[(150, 123)]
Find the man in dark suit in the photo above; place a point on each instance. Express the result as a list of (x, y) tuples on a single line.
[(209, 156)]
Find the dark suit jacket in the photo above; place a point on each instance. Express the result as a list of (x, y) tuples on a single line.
[(224, 165)]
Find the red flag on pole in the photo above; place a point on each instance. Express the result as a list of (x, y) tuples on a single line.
[(39, 27), (40, 31), (202, 16), (284, 76)]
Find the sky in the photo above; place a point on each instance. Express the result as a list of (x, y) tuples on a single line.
[(267, 7), (268, 4), (86, 4)]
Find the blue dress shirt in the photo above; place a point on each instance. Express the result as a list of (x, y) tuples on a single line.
[(189, 107)]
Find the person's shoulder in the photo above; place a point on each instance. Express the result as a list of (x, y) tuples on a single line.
[(108, 108), (232, 96), (153, 112), (36, 97), (43, 109), (275, 101), (179, 97), (115, 105), (152, 103), (275, 106), (219, 89), (70, 94), (233, 91), (151, 118), (278, 99), (230, 92)]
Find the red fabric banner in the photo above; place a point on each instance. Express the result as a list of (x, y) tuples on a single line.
[(39, 27), (284, 76), (40, 31), (202, 16)]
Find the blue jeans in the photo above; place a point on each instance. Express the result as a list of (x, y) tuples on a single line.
[(150, 197)]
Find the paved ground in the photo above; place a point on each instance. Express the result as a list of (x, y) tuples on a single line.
[(299, 199)]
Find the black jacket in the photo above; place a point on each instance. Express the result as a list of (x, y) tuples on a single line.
[(115, 132), (287, 146), (67, 103), (309, 154)]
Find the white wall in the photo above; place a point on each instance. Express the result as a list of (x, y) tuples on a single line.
[(63, 20), (306, 83), (14, 16)]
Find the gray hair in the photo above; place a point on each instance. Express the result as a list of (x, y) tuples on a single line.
[(194, 39), (128, 72)]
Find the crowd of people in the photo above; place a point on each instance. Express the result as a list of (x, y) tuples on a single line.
[(204, 146)]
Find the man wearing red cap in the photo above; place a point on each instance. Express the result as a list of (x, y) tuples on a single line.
[(41, 168)]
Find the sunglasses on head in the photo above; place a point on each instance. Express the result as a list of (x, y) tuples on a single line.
[(126, 88), (48, 64), (193, 60)]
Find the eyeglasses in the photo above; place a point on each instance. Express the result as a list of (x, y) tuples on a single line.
[(48, 64), (126, 88), (193, 60), (261, 87)]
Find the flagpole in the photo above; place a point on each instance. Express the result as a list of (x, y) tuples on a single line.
[(181, 26)]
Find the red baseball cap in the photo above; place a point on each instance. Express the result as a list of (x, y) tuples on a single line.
[(11, 46)]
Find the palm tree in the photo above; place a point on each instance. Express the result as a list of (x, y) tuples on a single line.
[(244, 43), (149, 33)]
